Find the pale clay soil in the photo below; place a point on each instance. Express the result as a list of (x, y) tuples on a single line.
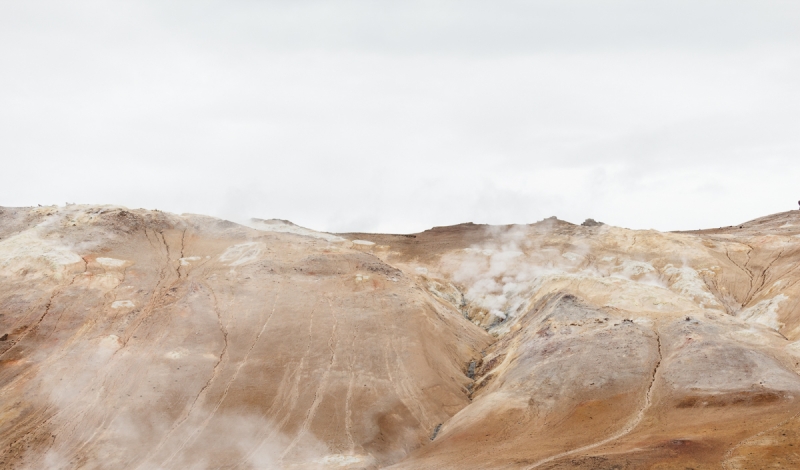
[(134, 339)]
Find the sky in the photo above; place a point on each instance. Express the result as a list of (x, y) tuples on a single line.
[(390, 116)]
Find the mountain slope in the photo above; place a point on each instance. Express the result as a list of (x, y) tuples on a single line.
[(141, 339)]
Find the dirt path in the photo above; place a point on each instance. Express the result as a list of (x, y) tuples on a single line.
[(632, 424)]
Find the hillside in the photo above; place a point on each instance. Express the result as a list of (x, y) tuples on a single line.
[(134, 339)]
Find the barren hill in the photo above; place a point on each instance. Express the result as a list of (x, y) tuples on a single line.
[(134, 339)]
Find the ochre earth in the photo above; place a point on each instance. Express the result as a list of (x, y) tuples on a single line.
[(134, 339)]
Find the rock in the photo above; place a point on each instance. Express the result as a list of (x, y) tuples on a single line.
[(591, 223)]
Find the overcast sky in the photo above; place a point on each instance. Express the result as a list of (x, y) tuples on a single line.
[(396, 116)]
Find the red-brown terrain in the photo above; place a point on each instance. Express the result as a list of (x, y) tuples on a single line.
[(134, 339)]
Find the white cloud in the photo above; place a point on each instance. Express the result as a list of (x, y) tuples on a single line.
[(354, 115)]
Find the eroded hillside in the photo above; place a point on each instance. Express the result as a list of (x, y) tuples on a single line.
[(145, 340)]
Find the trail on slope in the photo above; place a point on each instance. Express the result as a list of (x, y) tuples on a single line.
[(632, 424), (230, 382), (319, 393), (726, 465), (214, 374)]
